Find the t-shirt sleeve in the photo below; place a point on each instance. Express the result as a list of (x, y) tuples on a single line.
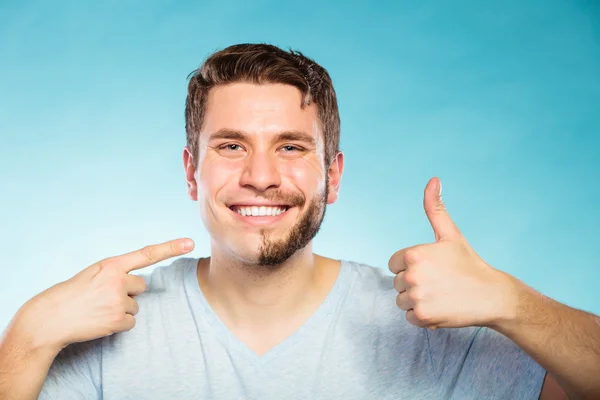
[(75, 373), (480, 363)]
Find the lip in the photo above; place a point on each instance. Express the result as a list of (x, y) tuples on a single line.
[(260, 220), (258, 204)]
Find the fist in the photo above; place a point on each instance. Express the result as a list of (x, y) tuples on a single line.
[(446, 284), (97, 302)]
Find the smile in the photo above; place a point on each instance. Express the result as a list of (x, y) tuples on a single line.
[(259, 211)]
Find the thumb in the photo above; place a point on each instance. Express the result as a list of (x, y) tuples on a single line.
[(442, 224)]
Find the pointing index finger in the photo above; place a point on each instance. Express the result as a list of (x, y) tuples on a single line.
[(153, 254)]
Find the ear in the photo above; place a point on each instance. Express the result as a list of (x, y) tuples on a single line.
[(335, 177), (190, 173)]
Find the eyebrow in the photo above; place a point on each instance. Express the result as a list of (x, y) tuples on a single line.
[(293, 135), (228, 134)]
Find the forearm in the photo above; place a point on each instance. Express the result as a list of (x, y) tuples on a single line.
[(563, 340), (24, 364)]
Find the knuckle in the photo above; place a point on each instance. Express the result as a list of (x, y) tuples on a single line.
[(415, 294), (118, 318), (440, 207), (410, 277), (174, 248), (421, 314), (411, 256), (149, 252), (107, 263)]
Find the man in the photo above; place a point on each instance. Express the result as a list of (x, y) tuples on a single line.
[(264, 317)]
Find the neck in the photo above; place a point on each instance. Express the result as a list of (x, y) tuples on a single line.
[(251, 295)]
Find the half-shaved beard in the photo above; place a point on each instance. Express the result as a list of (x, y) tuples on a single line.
[(273, 253)]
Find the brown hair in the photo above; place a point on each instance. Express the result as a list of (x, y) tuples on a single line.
[(260, 64)]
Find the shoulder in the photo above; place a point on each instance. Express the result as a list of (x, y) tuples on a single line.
[(371, 295), (166, 280), (368, 283), (368, 277), (372, 318), (164, 276), (167, 294), (162, 306)]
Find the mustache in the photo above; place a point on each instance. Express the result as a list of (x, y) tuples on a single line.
[(277, 196)]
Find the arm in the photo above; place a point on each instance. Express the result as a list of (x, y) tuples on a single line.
[(24, 364), (563, 340), (50, 345), (33, 368), (446, 284)]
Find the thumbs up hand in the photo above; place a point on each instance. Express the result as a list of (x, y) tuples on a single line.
[(446, 284)]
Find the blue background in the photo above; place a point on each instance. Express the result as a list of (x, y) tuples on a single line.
[(499, 99)]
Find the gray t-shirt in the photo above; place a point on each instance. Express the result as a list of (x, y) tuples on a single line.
[(357, 345)]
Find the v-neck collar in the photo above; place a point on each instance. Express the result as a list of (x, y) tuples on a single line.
[(203, 313)]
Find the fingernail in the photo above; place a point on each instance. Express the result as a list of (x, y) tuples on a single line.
[(439, 188), (187, 245)]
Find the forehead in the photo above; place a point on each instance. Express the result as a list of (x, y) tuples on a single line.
[(259, 109)]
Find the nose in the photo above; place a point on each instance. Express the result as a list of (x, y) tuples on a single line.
[(260, 172)]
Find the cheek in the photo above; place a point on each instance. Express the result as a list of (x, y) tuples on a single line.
[(216, 174), (305, 174)]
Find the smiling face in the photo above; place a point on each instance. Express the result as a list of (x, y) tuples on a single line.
[(261, 181)]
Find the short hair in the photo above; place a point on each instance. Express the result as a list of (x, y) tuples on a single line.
[(263, 64)]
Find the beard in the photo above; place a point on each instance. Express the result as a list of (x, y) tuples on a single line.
[(273, 253)]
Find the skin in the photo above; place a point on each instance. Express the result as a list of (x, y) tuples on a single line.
[(256, 298), (446, 284), (97, 302), (261, 290)]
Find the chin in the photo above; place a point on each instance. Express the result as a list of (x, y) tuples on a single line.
[(247, 253), (258, 257)]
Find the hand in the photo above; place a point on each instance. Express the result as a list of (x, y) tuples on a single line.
[(96, 302), (446, 284)]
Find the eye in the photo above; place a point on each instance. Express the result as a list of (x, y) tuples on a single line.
[(289, 148), (231, 147)]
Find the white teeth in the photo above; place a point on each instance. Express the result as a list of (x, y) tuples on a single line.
[(256, 211)]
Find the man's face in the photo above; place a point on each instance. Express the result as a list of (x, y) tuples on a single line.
[(261, 181)]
